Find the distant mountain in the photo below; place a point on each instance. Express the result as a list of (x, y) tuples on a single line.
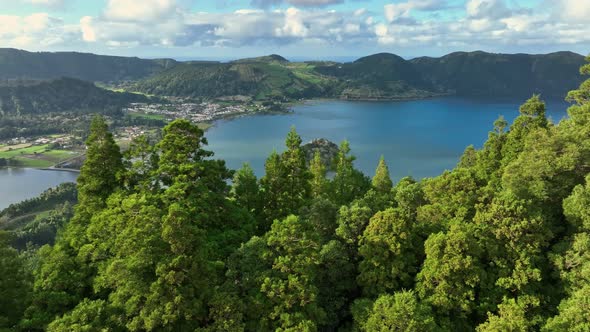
[(267, 59), (262, 78), (378, 76), (19, 64), (488, 74), (381, 76), (62, 95)]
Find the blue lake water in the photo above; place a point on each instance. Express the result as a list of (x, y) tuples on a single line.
[(17, 184), (418, 138)]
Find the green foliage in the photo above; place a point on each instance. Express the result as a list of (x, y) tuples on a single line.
[(286, 185), (14, 285), (381, 181), (63, 95), (573, 313), (319, 183), (389, 251), (294, 249), (400, 312), (19, 64), (375, 77), (161, 242), (451, 274), (512, 316), (348, 183)]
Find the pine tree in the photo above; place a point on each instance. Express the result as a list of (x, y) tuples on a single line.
[(319, 182), (245, 190), (381, 181)]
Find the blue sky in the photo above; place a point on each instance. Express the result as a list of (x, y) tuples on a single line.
[(294, 28)]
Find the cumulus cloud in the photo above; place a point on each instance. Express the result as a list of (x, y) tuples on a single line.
[(396, 11), (574, 10), (486, 24), (142, 11), (38, 29), (489, 24)]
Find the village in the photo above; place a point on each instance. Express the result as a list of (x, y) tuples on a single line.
[(194, 112)]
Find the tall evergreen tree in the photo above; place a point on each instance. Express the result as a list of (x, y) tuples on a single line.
[(319, 182), (381, 181)]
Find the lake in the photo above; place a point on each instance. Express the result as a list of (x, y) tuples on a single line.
[(419, 138), (18, 184)]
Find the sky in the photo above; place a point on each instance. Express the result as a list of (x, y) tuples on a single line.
[(302, 29)]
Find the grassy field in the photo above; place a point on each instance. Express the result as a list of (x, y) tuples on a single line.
[(148, 116), (35, 156), (22, 149)]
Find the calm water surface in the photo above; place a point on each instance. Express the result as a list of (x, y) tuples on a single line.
[(418, 138), (17, 184)]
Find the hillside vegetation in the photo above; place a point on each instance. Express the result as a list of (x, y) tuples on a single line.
[(160, 240), (381, 77), (62, 95), (19, 64)]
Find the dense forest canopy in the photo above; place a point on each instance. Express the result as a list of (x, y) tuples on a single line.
[(62, 95), (159, 241)]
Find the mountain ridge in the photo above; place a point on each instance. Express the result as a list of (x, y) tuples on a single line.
[(380, 76)]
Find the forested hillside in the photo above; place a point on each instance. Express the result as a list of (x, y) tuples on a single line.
[(62, 95), (160, 242), (19, 64), (381, 76), (463, 73)]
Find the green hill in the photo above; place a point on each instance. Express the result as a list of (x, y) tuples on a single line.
[(380, 76), (62, 95), (255, 78), (19, 64), (487, 74)]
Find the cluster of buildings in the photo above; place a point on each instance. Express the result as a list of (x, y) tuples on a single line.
[(63, 141), (129, 133), (195, 112)]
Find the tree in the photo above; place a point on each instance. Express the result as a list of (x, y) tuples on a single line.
[(451, 275), (245, 190), (291, 287), (400, 312), (573, 313), (381, 181), (297, 188), (352, 222), (513, 316), (14, 285), (532, 117), (64, 275), (99, 174), (389, 251), (286, 184), (348, 183), (319, 182), (272, 184)]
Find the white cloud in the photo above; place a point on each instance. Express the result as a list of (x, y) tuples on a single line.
[(574, 10), (35, 30), (485, 24), (492, 9), (140, 11), (395, 11)]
